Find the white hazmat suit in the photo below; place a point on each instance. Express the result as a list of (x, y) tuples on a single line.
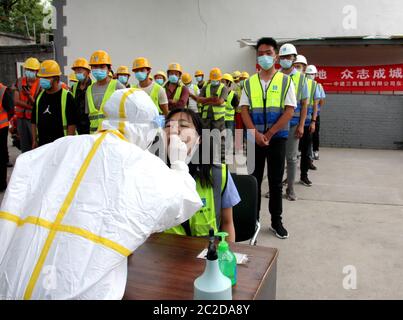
[(76, 208)]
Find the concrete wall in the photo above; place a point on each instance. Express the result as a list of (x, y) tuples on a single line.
[(8, 39), (9, 56), (362, 121)]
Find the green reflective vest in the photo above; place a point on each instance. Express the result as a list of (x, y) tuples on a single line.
[(154, 95), (209, 216), (311, 89), (229, 109), (64, 103), (218, 111), (96, 116)]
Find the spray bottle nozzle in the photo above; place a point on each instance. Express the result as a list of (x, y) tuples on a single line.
[(223, 245), (212, 251)]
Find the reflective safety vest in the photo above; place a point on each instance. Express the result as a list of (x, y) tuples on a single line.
[(178, 92), (21, 112), (229, 109), (96, 116), (218, 111), (299, 81), (312, 84), (75, 86), (209, 216), (267, 107), (64, 103), (154, 95), (4, 123)]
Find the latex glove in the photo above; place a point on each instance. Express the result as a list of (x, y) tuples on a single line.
[(177, 153)]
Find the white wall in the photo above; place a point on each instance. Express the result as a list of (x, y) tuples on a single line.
[(203, 34)]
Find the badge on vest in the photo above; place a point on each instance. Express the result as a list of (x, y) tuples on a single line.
[(204, 200)]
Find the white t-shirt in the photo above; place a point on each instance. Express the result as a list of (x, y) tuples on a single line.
[(193, 103), (290, 98), (162, 96)]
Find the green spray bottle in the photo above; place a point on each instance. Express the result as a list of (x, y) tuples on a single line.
[(226, 258)]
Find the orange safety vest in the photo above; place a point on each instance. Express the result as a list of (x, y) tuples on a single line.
[(3, 113), (21, 112)]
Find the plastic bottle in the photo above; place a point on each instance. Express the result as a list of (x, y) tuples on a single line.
[(226, 258), (212, 284)]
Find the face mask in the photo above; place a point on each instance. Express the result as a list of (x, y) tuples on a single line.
[(30, 74), (215, 83), (160, 81), (141, 76), (286, 64), (199, 79), (99, 74), (266, 62), (173, 79), (123, 79), (45, 84), (80, 77), (310, 76)]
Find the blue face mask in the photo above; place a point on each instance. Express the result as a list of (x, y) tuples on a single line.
[(266, 62), (215, 83), (141, 76), (80, 77), (198, 79), (99, 74), (173, 79), (159, 81), (286, 64), (123, 79), (45, 84), (30, 74)]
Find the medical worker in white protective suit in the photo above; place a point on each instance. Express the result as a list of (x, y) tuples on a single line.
[(75, 209)]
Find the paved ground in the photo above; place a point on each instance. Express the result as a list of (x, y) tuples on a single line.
[(352, 215)]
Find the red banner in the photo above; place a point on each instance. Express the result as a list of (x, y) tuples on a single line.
[(366, 78)]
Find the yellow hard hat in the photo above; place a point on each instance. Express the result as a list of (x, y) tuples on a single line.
[(72, 77), (81, 63), (162, 74), (32, 64), (186, 78), (140, 63), (236, 74), (215, 74), (100, 57), (175, 67), (123, 70), (49, 68), (227, 76), (199, 73), (244, 75)]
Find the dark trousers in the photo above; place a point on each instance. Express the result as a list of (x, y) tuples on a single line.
[(3, 158), (305, 144), (315, 136), (274, 155)]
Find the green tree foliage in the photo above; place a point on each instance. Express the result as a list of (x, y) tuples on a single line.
[(12, 16)]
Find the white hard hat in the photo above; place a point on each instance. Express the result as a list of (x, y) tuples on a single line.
[(311, 69), (137, 120), (287, 49), (301, 59)]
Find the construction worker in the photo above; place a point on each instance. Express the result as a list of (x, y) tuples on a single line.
[(300, 63), (161, 78), (26, 91), (54, 114), (6, 105), (123, 75), (288, 54), (213, 97), (193, 92), (310, 125), (237, 85), (100, 92), (178, 94), (199, 76), (268, 102), (142, 72), (231, 105), (315, 137), (72, 80), (244, 76), (82, 71)]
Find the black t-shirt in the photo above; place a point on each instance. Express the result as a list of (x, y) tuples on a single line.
[(50, 122), (83, 122)]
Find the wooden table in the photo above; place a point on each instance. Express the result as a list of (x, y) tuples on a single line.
[(165, 267)]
